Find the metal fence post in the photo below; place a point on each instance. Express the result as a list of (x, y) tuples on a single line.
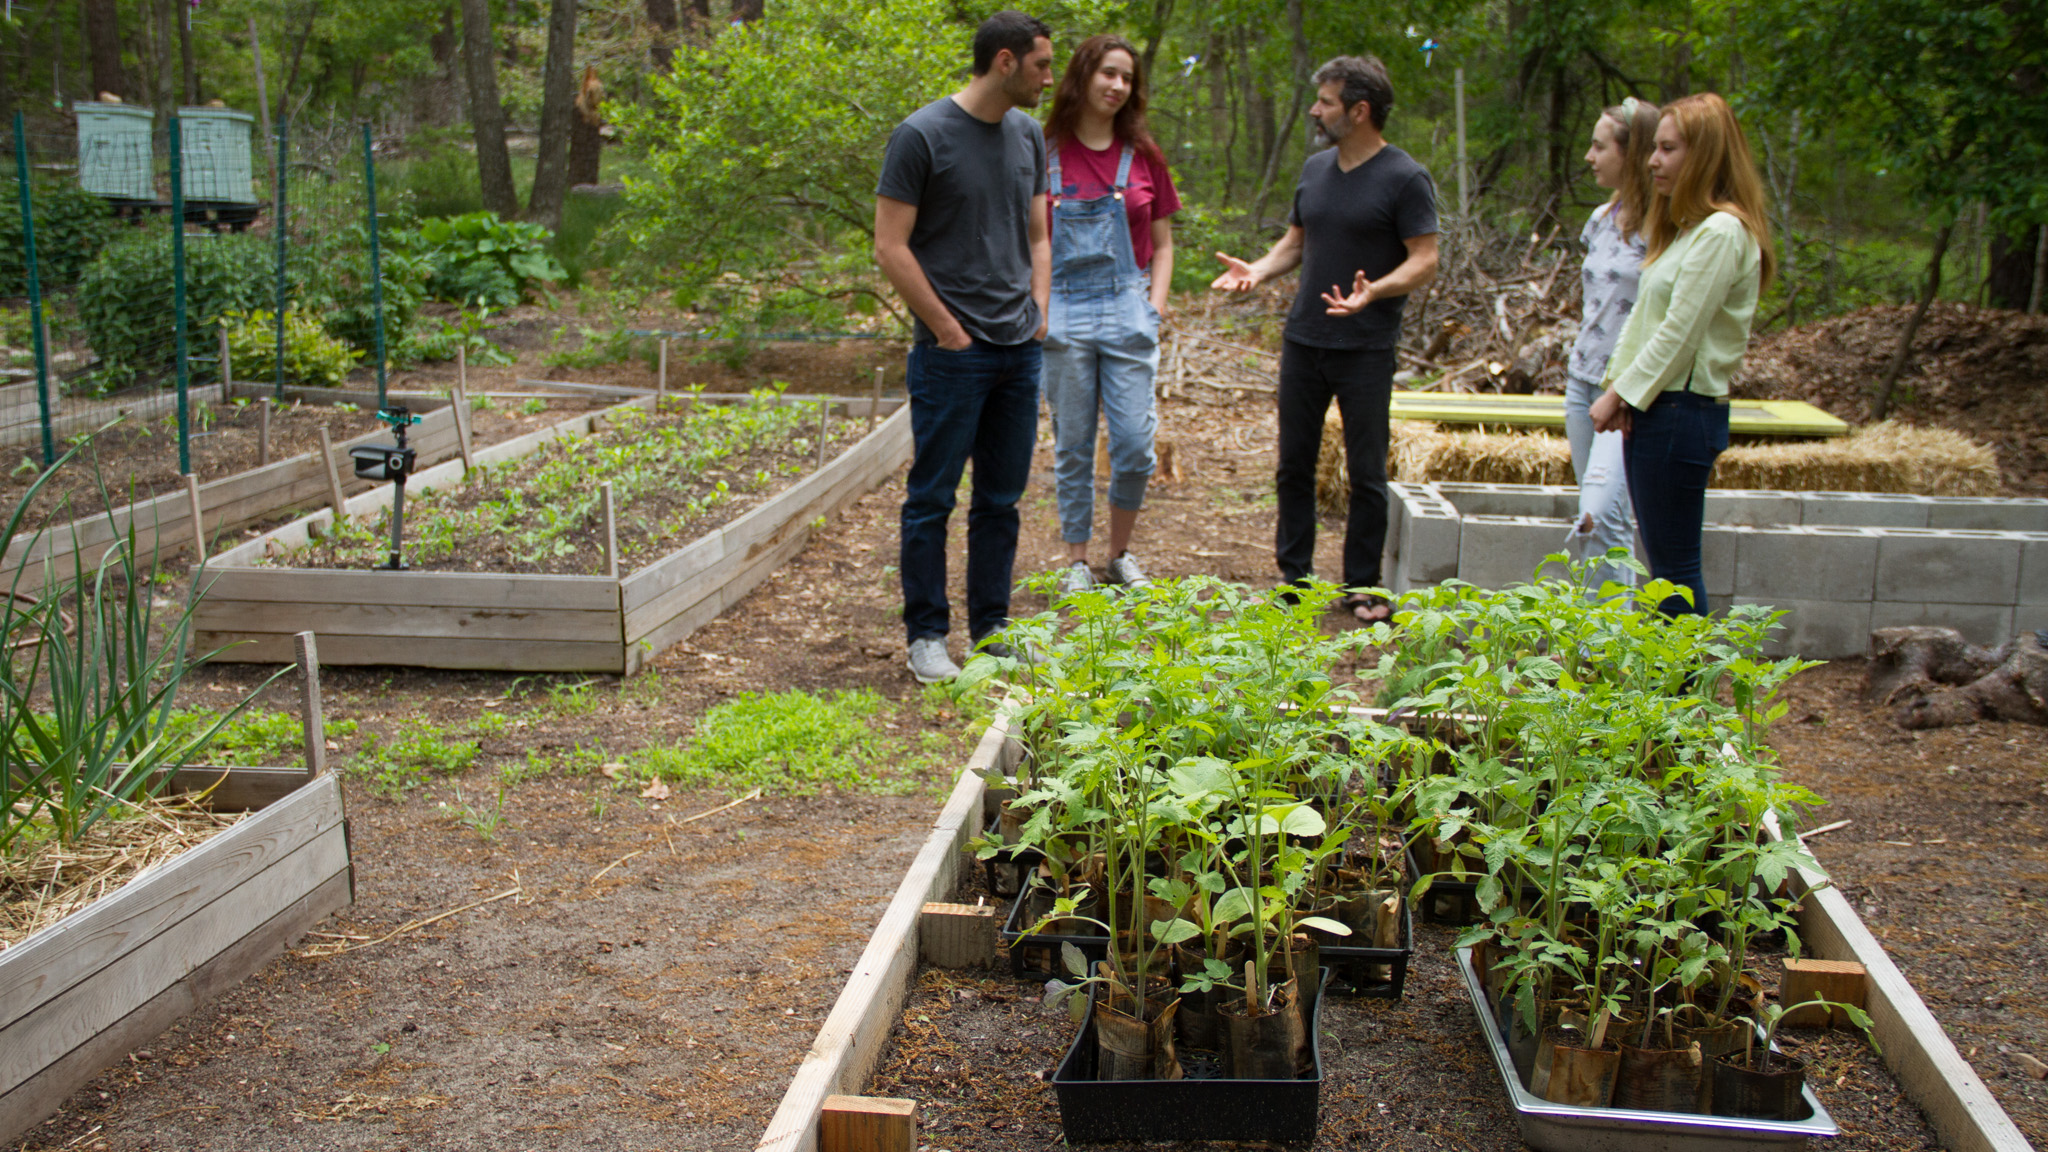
[(376, 269), (178, 348), (279, 224), (35, 291)]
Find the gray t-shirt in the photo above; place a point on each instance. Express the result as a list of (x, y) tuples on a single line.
[(972, 183), (1607, 279), (1353, 221)]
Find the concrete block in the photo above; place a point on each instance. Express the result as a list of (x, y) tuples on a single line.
[(1987, 624), (1718, 547), (1429, 542), (1948, 567), (1802, 563), (1986, 513), (1818, 629), (1864, 509), (1756, 506), (2034, 570), (1496, 551), (1546, 500)]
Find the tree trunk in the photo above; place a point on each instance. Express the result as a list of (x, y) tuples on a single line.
[(486, 115), (1882, 405), (185, 53), (1162, 15), (585, 143), (661, 49), (103, 44), (557, 109), (2012, 268), (748, 11)]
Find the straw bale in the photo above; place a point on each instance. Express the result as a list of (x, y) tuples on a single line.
[(1886, 457)]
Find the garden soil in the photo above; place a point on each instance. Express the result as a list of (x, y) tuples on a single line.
[(655, 979)]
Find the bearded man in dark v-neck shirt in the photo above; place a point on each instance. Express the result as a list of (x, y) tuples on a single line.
[(1363, 231)]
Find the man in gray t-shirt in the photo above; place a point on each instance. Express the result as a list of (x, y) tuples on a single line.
[(1363, 230), (960, 230)]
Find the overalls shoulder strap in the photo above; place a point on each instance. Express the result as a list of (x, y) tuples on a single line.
[(1052, 170), (1123, 171)]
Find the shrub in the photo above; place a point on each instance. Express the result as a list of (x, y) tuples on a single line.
[(480, 259), (132, 336), (331, 278), (311, 355), (72, 225)]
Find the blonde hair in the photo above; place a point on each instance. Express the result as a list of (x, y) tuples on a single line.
[(1634, 124), (1717, 175)]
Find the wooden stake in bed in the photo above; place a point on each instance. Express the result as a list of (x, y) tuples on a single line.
[(334, 494), (867, 1124), (263, 432)]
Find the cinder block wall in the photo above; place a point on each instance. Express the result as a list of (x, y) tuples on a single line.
[(1840, 563)]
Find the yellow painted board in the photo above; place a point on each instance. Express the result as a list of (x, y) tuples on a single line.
[(1745, 417)]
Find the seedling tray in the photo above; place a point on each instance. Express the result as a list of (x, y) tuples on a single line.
[(1549, 1127), (1200, 1107), (1036, 955), (1349, 962)]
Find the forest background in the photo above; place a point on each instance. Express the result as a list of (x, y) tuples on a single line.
[(725, 151)]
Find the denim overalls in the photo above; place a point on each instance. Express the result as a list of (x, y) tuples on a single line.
[(1101, 352)]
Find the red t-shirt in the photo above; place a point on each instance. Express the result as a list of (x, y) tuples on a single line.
[(1086, 174)]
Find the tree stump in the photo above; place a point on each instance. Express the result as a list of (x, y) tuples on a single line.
[(1936, 679)]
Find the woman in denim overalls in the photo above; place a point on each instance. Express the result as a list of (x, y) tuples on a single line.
[(1112, 261)]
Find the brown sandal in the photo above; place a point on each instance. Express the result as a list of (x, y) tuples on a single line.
[(1365, 607)]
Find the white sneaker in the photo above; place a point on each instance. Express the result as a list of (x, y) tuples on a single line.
[(1077, 578), (929, 662), (1124, 570)]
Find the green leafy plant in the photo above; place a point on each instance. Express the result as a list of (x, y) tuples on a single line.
[(72, 226), (469, 331), (311, 355), (481, 260), (791, 742), (132, 334)]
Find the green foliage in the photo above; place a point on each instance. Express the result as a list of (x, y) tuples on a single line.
[(439, 339), (746, 181), (598, 349), (330, 274), (784, 742), (311, 356), (394, 765), (119, 305), (72, 225), (257, 738), (482, 260)]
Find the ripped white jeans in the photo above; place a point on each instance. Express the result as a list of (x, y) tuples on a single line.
[(1605, 519)]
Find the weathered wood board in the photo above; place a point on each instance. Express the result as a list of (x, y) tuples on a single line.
[(163, 524), (82, 993)]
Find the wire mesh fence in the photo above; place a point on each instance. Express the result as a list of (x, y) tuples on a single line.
[(150, 260)]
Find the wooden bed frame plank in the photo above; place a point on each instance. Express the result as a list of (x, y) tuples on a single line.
[(64, 1022), (419, 621), (483, 655), (849, 1045), (426, 589), (50, 963)]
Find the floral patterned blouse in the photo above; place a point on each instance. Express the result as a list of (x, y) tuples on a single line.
[(1608, 281)]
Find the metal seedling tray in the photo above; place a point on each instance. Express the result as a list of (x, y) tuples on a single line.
[(1549, 1127)]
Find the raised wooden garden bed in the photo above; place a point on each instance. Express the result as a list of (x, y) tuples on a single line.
[(522, 622), (84, 992), (163, 525)]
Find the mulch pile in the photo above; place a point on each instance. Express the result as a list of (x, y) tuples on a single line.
[(1980, 371)]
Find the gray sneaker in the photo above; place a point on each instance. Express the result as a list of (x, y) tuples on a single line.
[(929, 662), (1077, 578), (1124, 570)]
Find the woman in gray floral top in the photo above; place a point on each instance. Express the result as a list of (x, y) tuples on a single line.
[(1622, 140)]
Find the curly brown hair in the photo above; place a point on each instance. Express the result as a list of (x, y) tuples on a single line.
[(1072, 96)]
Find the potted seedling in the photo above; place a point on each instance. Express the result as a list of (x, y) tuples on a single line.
[(1764, 1084)]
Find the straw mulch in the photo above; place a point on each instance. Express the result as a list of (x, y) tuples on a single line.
[(43, 882), (1886, 457)]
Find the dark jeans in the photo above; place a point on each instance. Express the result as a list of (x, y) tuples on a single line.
[(980, 403), (1363, 384), (1669, 455)]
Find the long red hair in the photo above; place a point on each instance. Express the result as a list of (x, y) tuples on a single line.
[(1718, 175), (1071, 97)]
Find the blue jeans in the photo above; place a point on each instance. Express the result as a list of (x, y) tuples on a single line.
[(1101, 356), (1670, 455), (980, 403), (1595, 459)]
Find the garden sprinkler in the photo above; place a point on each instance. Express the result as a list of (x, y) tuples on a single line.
[(391, 462)]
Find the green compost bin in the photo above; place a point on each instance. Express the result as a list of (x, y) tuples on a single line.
[(216, 146), (114, 150)]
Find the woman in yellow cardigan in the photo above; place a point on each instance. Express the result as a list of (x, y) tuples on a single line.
[(1667, 383)]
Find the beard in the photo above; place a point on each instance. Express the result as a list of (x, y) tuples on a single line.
[(1324, 136), (1022, 92)]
